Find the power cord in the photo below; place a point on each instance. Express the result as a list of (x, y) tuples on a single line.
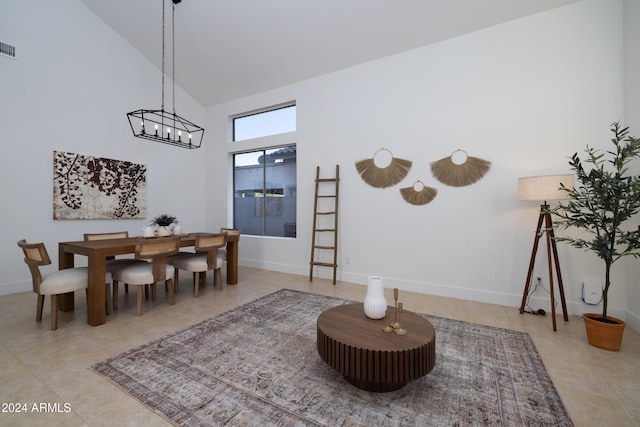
[(538, 312)]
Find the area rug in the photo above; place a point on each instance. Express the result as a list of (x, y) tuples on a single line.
[(258, 365)]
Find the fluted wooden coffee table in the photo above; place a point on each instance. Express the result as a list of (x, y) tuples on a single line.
[(370, 358)]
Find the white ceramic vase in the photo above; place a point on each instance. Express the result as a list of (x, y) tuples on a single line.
[(177, 229), (375, 306)]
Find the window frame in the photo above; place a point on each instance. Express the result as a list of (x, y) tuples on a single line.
[(261, 145)]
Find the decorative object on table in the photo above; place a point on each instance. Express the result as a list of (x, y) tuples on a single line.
[(177, 228), (396, 322), (148, 231), (607, 198), (88, 187), (385, 176), (459, 169), (280, 347), (168, 128), (418, 193), (164, 224), (400, 330), (375, 305), (544, 189), (387, 328)]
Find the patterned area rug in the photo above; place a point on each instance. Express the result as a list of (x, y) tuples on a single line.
[(257, 365)]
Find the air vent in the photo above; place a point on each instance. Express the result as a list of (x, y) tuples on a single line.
[(7, 50)]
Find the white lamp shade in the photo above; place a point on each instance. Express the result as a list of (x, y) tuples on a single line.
[(545, 187)]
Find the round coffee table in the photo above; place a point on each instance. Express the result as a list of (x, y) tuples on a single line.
[(370, 358)]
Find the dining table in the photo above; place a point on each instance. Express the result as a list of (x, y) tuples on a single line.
[(97, 252)]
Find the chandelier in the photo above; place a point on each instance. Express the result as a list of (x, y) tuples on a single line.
[(160, 125)]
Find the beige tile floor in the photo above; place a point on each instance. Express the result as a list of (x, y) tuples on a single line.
[(599, 388)]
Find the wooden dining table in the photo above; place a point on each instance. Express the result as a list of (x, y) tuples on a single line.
[(97, 252)]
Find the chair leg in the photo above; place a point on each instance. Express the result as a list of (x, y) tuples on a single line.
[(153, 291), (176, 281), (107, 298), (126, 288), (39, 308), (196, 283), (140, 299), (217, 277), (115, 294), (54, 312), (172, 297), (146, 291)]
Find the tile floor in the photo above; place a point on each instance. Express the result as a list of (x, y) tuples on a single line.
[(599, 388)]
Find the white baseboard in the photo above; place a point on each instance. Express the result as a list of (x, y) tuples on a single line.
[(15, 287), (479, 295)]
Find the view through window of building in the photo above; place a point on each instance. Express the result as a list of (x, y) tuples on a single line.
[(264, 180)]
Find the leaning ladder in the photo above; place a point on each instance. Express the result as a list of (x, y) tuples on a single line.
[(322, 227)]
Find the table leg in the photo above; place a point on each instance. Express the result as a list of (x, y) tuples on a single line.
[(96, 302), (65, 260), (232, 262)]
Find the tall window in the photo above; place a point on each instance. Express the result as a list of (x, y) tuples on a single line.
[(264, 180)]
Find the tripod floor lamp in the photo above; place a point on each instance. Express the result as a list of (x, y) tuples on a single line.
[(543, 189)]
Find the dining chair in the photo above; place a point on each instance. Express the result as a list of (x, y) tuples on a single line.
[(112, 263), (228, 232), (55, 283), (204, 259), (151, 272)]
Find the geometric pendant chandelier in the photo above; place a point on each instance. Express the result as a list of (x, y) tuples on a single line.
[(160, 125)]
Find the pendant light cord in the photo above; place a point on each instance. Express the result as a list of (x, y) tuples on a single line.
[(162, 107), (173, 53)]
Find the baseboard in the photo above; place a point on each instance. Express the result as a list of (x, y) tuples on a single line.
[(478, 295), (15, 287)]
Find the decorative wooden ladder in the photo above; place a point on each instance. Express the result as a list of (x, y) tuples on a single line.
[(322, 223)]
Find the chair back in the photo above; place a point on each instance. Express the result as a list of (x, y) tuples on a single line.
[(210, 243), (35, 255), (158, 251), (230, 231), (106, 236)]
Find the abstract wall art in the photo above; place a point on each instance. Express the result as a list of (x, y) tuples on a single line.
[(88, 187)]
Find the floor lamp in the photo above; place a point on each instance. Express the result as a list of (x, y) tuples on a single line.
[(545, 188)]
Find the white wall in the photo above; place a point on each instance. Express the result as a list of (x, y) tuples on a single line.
[(525, 95), (69, 89)]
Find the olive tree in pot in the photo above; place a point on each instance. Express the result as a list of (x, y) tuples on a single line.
[(605, 197)]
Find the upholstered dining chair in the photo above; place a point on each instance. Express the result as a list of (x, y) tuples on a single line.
[(204, 259), (112, 262), (55, 283), (228, 232), (155, 270)]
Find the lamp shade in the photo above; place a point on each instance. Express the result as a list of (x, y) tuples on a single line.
[(545, 187)]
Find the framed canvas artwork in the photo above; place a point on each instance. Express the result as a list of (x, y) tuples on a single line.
[(88, 187)]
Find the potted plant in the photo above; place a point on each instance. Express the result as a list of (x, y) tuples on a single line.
[(164, 223), (605, 197)]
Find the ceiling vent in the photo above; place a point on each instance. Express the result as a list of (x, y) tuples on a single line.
[(7, 50)]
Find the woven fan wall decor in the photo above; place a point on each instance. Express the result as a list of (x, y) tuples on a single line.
[(460, 172), (418, 193), (386, 176)]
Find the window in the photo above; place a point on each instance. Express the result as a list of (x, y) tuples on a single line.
[(264, 180), (271, 122)]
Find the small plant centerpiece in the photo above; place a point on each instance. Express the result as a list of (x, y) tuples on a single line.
[(164, 223), (605, 197)]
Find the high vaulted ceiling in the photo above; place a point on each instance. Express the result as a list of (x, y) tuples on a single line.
[(228, 49)]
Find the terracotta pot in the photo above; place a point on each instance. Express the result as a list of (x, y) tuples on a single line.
[(607, 336)]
